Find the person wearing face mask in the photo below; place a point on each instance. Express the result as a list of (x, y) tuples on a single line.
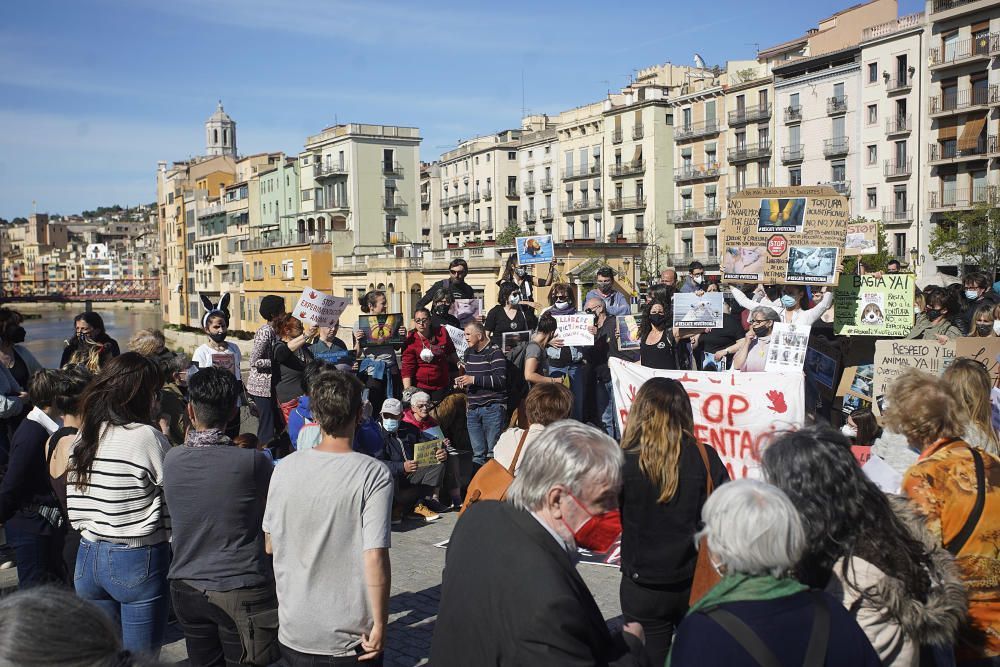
[(441, 311), (219, 353), (568, 361), (788, 303), (524, 282), (935, 322), (863, 430), (984, 323), (615, 302), (173, 419), (17, 365), (976, 292), (90, 343), (521, 555), (412, 484), (750, 354), (427, 356), (657, 346), (694, 282), (509, 314)]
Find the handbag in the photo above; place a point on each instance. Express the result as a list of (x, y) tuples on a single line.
[(705, 575), (492, 480)]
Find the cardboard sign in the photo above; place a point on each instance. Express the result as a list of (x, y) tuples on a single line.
[(425, 453), (381, 329), (573, 329), (698, 312), (984, 350), (534, 249), (317, 308), (870, 306), (466, 310), (628, 332), (893, 357), (733, 412), (786, 351), (784, 235), (862, 238)]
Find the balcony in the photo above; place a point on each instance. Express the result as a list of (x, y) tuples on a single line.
[(836, 105), (582, 205), (750, 152), (627, 203), (394, 204), (968, 99), (694, 130), (749, 114), (694, 215), (616, 136), (546, 214), (628, 168), (529, 217), (898, 125), (842, 187), (581, 172), (949, 9), (790, 154), (964, 51), (892, 215), (529, 187), (954, 151), (289, 240), (512, 193), (898, 168), (836, 146), (950, 200), (329, 169), (637, 132), (546, 184), (898, 84), (793, 114), (392, 169), (487, 194), (696, 172), (394, 238), (459, 227), (425, 198), (455, 200)]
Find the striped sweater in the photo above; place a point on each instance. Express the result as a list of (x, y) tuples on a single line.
[(488, 368), (123, 501)]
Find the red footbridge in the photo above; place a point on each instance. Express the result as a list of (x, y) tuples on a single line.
[(127, 289)]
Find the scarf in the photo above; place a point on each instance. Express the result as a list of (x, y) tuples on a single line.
[(212, 437), (568, 310)]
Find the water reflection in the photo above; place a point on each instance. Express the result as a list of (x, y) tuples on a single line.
[(46, 336)]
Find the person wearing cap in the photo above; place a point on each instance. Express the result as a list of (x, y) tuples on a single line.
[(413, 485)]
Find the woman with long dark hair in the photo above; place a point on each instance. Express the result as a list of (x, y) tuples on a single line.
[(664, 488), (870, 550), (657, 346), (114, 497), (378, 368), (509, 314), (90, 345)]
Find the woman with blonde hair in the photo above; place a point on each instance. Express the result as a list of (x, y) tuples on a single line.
[(985, 321), (971, 386), (664, 487)]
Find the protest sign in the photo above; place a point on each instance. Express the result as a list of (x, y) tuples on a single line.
[(698, 312), (857, 381), (870, 306), (784, 235), (822, 362), (425, 453), (512, 339), (381, 329), (733, 412), (573, 329), (534, 249), (893, 357), (457, 339), (628, 332), (984, 350), (317, 308), (862, 237), (466, 310), (786, 351)]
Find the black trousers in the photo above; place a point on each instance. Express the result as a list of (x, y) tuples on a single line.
[(293, 658), (209, 632), (659, 609)]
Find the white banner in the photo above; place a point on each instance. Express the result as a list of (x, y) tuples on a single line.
[(734, 412), (318, 308)]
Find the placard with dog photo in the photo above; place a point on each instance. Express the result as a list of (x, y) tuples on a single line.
[(874, 306), (534, 249)]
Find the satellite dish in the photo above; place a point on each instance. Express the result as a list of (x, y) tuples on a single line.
[(699, 61)]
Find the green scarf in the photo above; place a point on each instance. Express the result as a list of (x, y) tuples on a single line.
[(746, 588)]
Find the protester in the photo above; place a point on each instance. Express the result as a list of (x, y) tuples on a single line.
[(536, 360), (983, 324), (90, 345), (665, 484), (976, 293), (331, 349), (215, 494), (710, 346), (694, 282), (935, 322), (861, 427), (597, 355), (750, 354), (755, 537), (291, 354), (151, 343), (658, 347), (173, 419), (615, 302), (29, 511), (18, 359), (301, 415), (454, 285), (892, 266), (971, 385), (418, 424), (441, 303), (413, 486), (944, 485), (567, 360), (668, 277), (378, 368), (520, 556), (870, 551), (13, 408), (545, 404), (259, 381), (485, 384), (509, 314), (524, 282), (327, 523), (427, 356), (114, 494), (217, 351)]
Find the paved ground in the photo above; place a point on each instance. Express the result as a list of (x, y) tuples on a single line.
[(416, 579)]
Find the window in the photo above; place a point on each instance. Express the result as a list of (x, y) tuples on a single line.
[(838, 91), (795, 176), (838, 171), (512, 186), (512, 214), (872, 114), (712, 245), (794, 137), (899, 201), (871, 198), (899, 244), (872, 153), (349, 295), (511, 155), (872, 72), (688, 247), (305, 268), (793, 100), (640, 222)]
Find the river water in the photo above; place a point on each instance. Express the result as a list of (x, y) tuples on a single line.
[(46, 336)]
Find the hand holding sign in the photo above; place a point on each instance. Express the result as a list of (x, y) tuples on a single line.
[(319, 309)]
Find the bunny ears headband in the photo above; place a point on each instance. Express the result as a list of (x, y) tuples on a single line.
[(221, 309)]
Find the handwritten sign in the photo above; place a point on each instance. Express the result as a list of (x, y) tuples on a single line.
[(862, 238), (698, 312), (984, 350), (893, 357), (870, 306), (733, 412), (787, 350), (574, 329), (318, 308), (425, 453), (785, 235), (457, 339)]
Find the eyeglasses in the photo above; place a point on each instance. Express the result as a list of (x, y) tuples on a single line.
[(422, 320), (460, 272)]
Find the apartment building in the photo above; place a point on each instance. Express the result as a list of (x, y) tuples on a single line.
[(749, 126), (430, 204), (538, 156), (961, 102), (891, 180)]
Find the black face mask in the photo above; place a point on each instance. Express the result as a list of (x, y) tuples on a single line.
[(217, 337), (82, 337), (762, 331), (984, 329), (441, 310), (658, 320), (17, 333), (933, 313)]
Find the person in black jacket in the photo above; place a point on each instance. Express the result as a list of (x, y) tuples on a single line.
[(455, 285), (511, 594), (664, 488), (89, 340)]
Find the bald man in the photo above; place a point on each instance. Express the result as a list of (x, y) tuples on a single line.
[(668, 277)]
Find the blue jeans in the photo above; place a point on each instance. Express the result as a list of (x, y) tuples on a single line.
[(606, 409), (130, 585), (578, 378), (37, 549), (485, 426)]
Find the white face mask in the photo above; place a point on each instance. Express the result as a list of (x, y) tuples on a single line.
[(426, 355), (996, 327), (561, 304), (917, 310), (849, 431)]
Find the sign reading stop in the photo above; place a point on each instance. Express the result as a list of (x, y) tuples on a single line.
[(776, 245)]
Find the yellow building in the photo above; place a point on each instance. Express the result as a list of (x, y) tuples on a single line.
[(284, 268)]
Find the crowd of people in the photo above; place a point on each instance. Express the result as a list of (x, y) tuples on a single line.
[(129, 483)]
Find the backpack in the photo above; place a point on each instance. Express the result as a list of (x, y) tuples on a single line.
[(517, 387)]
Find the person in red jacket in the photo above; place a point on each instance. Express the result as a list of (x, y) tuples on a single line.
[(427, 356)]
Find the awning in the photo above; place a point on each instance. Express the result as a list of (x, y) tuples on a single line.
[(947, 129), (685, 152), (712, 233), (638, 153), (710, 189), (711, 147), (685, 192), (970, 133)]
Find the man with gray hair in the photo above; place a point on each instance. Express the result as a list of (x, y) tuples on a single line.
[(511, 594), (485, 383)]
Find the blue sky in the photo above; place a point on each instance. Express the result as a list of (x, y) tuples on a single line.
[(93, 94)]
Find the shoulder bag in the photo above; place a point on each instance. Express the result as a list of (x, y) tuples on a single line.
[(492, 480), (705, 575), (977, 510)]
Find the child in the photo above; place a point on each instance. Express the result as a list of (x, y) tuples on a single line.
[(217, 352)]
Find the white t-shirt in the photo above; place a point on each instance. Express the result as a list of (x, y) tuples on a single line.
[(324, 510), (206, 356)]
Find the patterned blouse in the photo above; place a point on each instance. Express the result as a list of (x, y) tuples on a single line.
[(261, 354)]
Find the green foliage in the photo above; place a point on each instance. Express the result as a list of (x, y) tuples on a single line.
[(969, 238), (507, 236), (877, 262)]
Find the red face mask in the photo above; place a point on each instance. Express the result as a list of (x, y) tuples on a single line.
[(599, 532)]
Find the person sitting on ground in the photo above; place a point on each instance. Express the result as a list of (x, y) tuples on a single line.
[(414, 486), (869, 550), (750, 354), (935, 323), (215, 494), (971, 386), (90, 345), (754, 539), (419, 424), (544, 405)]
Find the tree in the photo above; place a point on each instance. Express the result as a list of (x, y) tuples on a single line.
[(654, 257), (507, 236), (969, 238), (877, 262)]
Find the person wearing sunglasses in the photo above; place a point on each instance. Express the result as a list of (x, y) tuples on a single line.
[(455, 284), (427, 356)]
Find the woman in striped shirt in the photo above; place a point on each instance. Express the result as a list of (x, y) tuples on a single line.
[(114, 497)]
